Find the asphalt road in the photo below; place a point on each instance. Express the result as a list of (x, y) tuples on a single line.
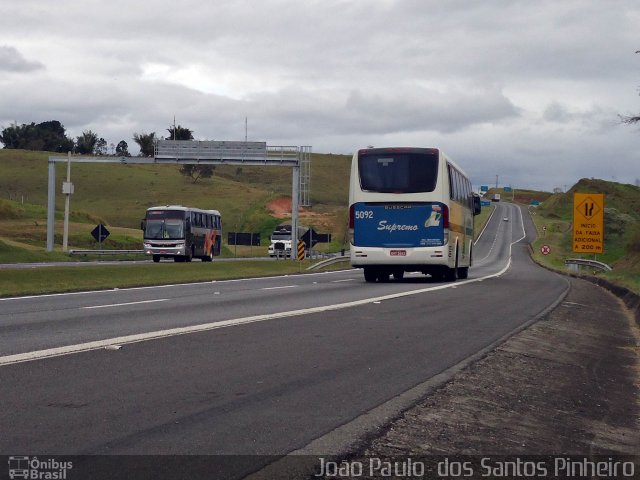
[(250, 367)]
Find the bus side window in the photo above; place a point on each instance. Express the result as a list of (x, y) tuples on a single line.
[(451, 183), (455, 182)]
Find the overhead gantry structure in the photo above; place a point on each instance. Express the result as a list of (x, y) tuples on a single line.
[(194, 152)]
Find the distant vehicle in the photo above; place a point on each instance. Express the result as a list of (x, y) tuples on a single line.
[(410, 209), (280, 245), (182, 233), (496, 197), (506, 219)]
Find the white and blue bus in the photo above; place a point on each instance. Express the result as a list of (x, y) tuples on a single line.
[(410, 210), (182, 233)]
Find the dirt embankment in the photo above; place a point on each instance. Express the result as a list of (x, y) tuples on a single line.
[(281, 208)]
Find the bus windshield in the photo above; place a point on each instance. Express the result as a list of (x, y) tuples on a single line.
[(164, 225), (398, 172)]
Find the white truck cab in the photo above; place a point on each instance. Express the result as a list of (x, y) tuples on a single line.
[(280, 245)]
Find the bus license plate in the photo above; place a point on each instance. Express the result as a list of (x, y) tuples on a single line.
[(398, 253)]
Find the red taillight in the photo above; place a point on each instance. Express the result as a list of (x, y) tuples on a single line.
[(445, 216), (351, 216)]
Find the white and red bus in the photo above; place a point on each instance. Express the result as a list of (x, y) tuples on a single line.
[(182, 233), (410, 209)]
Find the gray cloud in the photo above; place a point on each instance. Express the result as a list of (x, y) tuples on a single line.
[(527, 90), (11, 60)]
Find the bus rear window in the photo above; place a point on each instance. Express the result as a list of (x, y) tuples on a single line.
[(398, 172)]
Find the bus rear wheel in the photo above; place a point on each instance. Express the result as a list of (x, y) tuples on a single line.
[(450, 274), (370, 275), (383, 276)]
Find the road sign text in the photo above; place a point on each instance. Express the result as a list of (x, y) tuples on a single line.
[(588, 222)]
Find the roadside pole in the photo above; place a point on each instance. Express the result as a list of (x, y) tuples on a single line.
[(295, 191), (67, 189)]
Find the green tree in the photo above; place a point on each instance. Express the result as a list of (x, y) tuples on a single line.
[(86, 143), (54, 137), (101, 147), (179, 133), (122, 149), (48, 136), (196, 172), (15, 136), (146, 142)]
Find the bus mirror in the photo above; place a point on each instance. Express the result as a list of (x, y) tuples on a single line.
[(477, 207), (142, 224)]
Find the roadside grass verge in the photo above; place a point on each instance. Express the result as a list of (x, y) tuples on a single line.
[(14, 282), (558, 235)]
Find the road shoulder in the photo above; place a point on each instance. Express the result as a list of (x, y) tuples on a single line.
[(568, 384)]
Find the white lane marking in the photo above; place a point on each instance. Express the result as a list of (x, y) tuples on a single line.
[(495, 238), (524, 234), (345, 280), (140, 337), (109, 305), (279, 288)]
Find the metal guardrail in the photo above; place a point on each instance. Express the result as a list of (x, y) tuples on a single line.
[(329, 261), (588, 263), (106, 252)]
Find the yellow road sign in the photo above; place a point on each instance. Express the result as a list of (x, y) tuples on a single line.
[(588, 222), (301, 246)]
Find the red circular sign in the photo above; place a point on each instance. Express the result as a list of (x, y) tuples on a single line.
[(545, 249)]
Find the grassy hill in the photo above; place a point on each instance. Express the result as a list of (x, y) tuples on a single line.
[(621, 235), (118, 196)]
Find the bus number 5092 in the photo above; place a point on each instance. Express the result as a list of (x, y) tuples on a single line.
[(364, 214)]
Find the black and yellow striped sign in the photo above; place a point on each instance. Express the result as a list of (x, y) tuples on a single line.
[(301, 250)]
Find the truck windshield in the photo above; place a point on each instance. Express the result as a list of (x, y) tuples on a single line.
[(281, 236), (164, 225)]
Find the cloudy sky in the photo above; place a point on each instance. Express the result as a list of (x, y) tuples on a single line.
[(530, 91)]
